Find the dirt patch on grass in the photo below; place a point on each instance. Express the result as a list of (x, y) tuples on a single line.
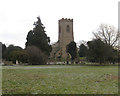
[(112, 77), (36, 76)]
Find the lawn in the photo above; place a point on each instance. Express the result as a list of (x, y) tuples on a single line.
[(60, 79)]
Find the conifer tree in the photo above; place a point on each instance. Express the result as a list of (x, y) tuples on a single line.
[(38, 44), (72, 49), (39, 38)]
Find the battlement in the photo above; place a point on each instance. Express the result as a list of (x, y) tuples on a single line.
[(65, 19)]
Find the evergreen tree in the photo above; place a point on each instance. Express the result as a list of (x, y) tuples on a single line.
[(99, 51), (4, 49), (20, 55), (38, 37), (10, 49), (82, 50), (72, 49), (39, 43)]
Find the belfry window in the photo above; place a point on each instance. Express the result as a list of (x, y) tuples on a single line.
[(68, 28)]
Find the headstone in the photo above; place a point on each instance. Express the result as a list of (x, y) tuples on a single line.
[(17, 62)]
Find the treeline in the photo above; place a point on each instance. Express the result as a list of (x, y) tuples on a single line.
[(97, 51), (37, 48), (102, 48), (13, 53)]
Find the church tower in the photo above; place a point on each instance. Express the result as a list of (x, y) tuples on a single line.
[(65, 29)]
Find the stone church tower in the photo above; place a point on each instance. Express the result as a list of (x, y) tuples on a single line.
[(65, 36)]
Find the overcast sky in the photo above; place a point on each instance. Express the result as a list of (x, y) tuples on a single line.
[(17, 17)]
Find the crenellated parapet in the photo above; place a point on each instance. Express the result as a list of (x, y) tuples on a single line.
[(66, 19)]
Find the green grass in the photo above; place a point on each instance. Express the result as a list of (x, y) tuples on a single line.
[(60, 80)]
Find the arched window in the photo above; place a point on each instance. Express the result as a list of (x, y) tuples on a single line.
[(68, 28)]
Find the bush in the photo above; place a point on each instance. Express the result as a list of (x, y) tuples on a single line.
[(20, 55), (36, 56)]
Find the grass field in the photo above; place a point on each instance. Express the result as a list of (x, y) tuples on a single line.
[(60, 79)]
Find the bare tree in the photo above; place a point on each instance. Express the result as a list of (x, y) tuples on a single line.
[(108, 34), (36, 56)]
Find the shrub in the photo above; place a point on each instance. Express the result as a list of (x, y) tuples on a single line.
[(36, 56)]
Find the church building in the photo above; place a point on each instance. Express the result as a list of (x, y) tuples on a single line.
[(65, 36)]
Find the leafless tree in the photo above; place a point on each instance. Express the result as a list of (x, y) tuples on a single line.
[(108, 34), (36, 56)]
